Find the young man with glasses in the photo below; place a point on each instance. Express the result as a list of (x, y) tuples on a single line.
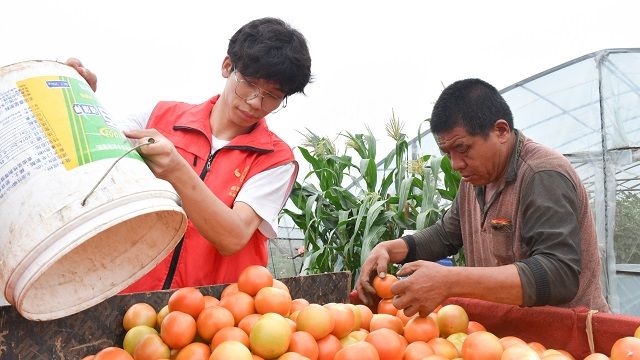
[(232, 174)]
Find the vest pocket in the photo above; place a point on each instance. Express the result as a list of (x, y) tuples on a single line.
[(502, 246)]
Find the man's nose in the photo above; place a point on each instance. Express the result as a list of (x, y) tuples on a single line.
[(255, 102), (457, 163)]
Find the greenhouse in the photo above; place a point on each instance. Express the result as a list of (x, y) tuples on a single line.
[(589, 110)]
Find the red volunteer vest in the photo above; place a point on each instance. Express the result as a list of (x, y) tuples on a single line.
[(195, 261)]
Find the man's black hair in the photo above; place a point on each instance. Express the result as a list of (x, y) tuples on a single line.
[(269, 49), (471, 103)]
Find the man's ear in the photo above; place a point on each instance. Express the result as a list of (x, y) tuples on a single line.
[(227, 67), (503, 130)]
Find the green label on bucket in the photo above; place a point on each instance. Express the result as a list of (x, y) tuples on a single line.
[(70, 117)]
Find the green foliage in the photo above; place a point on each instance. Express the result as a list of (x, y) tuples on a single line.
[(627, 246), (346, 205)]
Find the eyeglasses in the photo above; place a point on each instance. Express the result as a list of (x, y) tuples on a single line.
[(247, 91)]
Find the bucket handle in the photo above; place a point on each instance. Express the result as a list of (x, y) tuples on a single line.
[(150, 141)]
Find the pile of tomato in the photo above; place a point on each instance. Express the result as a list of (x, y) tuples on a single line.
[(256, 318)]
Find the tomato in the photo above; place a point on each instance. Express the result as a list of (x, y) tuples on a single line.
[(379, 321), (253, 278), (231, 350), (178, 329), (627, 348), (452, 319), (358, 351), (343, 319), (421, 328), (303, 343), (240, 304), (388, 343), (135, 335), (151, 347), (270, 299), (189, 300), (270, 336), (385, 306), (112, 353), (194, 351), (229, 334), (316, 320), (417, 350), (139, 314), (211, 320), (383, 286), (482, 345)]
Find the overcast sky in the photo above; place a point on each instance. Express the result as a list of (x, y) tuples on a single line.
[(368, 57)]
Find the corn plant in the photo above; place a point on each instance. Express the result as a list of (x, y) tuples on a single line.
[(346, 205)]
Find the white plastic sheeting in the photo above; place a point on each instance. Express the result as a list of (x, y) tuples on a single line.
[(589, 110)]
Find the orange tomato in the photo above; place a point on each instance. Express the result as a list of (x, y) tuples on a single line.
[(161, 314), (380, 321), (519, 352), (210, 301), (229, 334), (211, 320), (343, 319), (474, 326), (253, 278), (385, 306), (112, 353), (597, 356), (280, 285), (443, 347), (627, 348), (358, 351), (303, 343), (298, 304), (151, 347), (421, 329), (139, 314), (383, 286), (508, 341), (270, 299), (240, 304), (292, 356), (405, 319), (189, 300), (417, 350), (316, 320), (194, 351), (229, 290), (247, 322), (178, 329), (482, 345), (328, 347), (539, 348), (231, 350), (367, 314), (388, 343)]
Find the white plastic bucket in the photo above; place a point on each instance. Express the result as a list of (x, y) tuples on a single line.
[(59, 256)]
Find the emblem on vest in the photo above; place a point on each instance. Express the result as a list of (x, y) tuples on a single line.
[(233, 191), (242, 175), (501, 225)]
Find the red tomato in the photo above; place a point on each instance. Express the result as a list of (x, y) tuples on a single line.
[(189, 300), (178, 329)]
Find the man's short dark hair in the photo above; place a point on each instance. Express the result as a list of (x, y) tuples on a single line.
[(471, 103), (269, 49)]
